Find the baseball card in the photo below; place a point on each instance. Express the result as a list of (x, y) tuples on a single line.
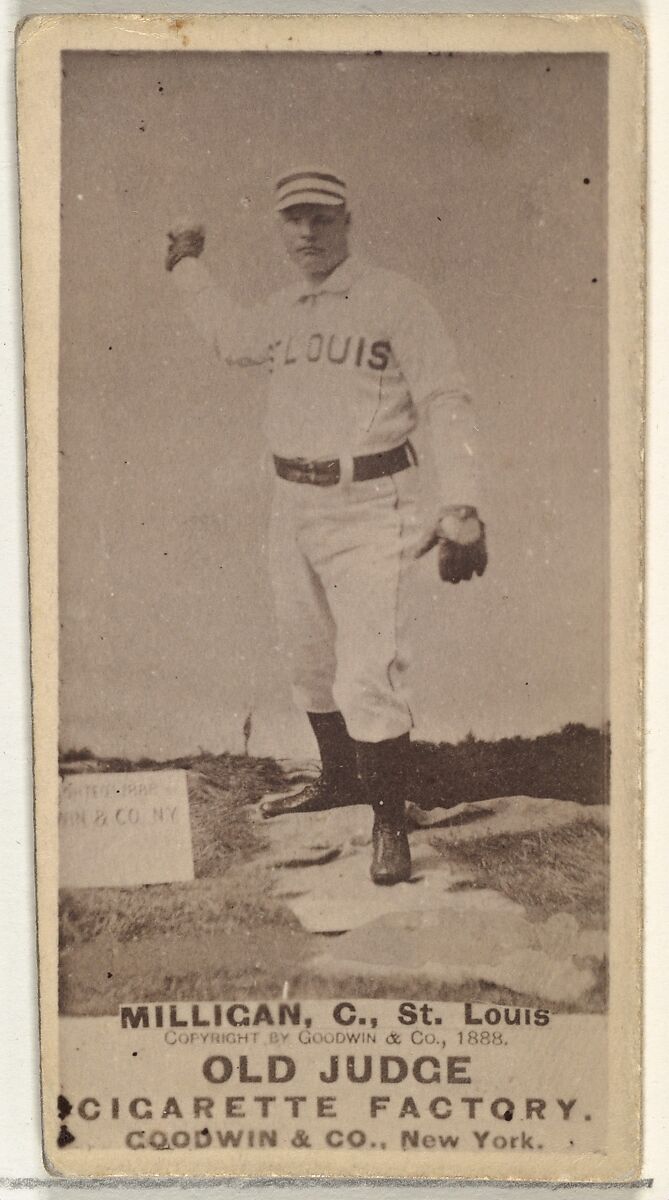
[(334, 393)]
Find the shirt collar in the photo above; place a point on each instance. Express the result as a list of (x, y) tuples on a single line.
[(336, 284)]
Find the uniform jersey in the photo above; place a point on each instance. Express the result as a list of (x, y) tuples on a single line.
[(349, 360)]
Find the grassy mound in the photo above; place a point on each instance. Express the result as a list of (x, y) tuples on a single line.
[(220, 935), (225, 935)]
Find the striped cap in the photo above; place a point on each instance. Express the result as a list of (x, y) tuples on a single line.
[(309, 186)]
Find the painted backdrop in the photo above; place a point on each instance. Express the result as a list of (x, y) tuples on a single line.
[(482, 177)]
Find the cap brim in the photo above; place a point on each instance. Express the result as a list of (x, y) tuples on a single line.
[(308, 197)]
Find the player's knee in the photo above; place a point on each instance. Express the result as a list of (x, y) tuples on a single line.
[(362, 692)]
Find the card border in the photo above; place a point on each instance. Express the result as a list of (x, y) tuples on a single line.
[(40, 40)]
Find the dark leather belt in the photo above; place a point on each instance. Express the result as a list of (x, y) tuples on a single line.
[(327, 472)]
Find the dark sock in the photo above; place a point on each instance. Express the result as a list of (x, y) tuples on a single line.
[(337, 749), (382, 769)]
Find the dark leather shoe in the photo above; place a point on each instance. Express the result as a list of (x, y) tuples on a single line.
[(315, 797), (382, 769), (391, 856)]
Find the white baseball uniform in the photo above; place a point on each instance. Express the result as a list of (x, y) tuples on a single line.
[(350, 361)]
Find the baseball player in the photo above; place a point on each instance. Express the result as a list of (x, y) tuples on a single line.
[(353, 353)]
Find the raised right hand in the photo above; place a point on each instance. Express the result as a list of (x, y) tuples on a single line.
[(184, 243)]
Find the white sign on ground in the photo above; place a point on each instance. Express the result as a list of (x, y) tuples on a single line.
[(124, 830)]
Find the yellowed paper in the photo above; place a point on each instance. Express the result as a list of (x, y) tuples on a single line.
[(454, 272)]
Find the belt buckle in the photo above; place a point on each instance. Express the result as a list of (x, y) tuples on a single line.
[(311, 474), (325, 473)]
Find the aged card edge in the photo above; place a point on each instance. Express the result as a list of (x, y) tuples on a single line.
[(40, 40)]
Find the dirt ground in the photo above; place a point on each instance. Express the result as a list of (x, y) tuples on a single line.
[(224, 934)]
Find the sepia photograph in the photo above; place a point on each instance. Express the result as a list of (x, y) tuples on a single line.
[(334, 479), (249, 398)]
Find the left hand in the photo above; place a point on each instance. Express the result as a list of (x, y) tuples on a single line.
[(184, 243), (460, 535)]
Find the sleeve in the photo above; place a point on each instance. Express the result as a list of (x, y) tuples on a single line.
[(237, 334), (428, 360)]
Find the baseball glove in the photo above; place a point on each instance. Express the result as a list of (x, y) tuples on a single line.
[(185, 243), (459, 534), (458, 560)]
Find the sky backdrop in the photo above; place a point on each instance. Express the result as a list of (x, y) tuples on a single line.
[(483, 177)]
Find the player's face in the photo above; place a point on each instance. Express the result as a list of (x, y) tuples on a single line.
[(315, 236)]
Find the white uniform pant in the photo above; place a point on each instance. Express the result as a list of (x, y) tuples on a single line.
[(339, 558)]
